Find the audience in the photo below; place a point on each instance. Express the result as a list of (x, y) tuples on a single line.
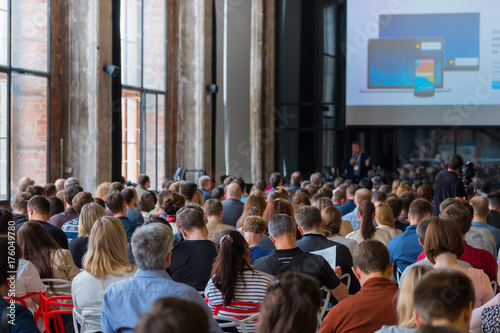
[(24, 183), (130, 198), (56, 206), (479, 220), (151, 245), (213, 212), (69, 213), (385, 219), (102, 190), (349, 206), (257, 201), (493, 218), (189, 191), (335, 229), (38, 211), (105, 263), (145, 199), (367, 230), (396, 205), (232, 206), (406, 320), (170, 203), (295, 181), (116, 204), (361, 195), (253, 230), (437, 302), (282, 231), (50, 260), (174, 315), (192, 259), (404, 249), (20, 207), (291, 305), (443, 246), (59, 184), (373, 306), (338, 255), (88, 216), (71, 228), (204, 184), (233, 279)]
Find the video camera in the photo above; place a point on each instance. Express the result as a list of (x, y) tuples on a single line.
[(468, 172)]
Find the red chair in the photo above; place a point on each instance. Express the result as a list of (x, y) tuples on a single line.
[(47, 314), (22, 301), (232, 319)]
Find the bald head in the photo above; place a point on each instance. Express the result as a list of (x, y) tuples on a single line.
[(480, 206), (234, 191), (361, 195), (60, 184)]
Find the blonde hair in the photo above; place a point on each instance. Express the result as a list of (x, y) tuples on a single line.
[(102, 190), (384, 215), (89, 214), (107, 249), (403, 188), (405, 297)]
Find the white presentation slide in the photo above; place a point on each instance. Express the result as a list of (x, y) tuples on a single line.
[(423, 62)]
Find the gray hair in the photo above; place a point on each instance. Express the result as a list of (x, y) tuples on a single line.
[(151, 245), (280, 224), (70, 182)]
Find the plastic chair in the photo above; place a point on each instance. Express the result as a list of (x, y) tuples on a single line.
[(234, 319), (47, 314), (398, 276), (234, 322), (326, 304), (494, 285), (348, 280), (22, 301), (78, 319), (58, 287)]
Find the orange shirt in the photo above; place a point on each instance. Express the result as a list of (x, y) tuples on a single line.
[(367, 311)]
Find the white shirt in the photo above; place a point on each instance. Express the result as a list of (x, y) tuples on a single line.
[(394, 232), (481, 238), (88, 296)]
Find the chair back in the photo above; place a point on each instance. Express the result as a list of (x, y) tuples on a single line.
[(227, 321), (54, 315), (22, 300), (233, 315), (79, 320), (494, 285)]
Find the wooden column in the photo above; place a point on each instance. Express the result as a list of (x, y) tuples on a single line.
[(262, 66)]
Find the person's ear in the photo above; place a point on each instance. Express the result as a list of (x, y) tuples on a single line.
[(206, 214), (272, 239), (390, 268), (468, 313), (418, 320), (357, 272), (420, 242), (322, 225), (262, 233), (301, 231), (243, 231), (183, 232), (359, 215), (169, 260)]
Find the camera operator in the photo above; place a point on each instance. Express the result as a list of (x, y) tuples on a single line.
[(448, 184)]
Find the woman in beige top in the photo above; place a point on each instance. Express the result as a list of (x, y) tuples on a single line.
[(367, 230), (443, 244), (385, 220), (45, 254)]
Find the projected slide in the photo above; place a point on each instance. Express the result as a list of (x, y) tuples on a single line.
[(423, 62)]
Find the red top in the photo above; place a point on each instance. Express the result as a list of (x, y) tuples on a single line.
[(367, 311), (477, 258)]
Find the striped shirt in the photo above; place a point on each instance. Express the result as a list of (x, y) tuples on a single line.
[(252, 288)]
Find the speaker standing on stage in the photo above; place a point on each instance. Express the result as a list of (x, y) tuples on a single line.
[(356, 164)]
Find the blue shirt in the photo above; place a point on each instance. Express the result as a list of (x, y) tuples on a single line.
[(206, 194), (129, 226), (346, 208), (23, 321), (125, 301), (135, 216), (353, 218), (494, 231), (295, 187), (405, 248), (257, 251), (71, 229)]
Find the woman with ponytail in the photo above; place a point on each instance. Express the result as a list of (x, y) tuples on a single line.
[(367, 229), (233, 279)]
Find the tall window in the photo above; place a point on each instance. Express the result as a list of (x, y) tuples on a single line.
[(24, 92), (143, 53)]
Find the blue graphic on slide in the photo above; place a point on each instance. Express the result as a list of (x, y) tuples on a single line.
[(460, 34), (391, 62)]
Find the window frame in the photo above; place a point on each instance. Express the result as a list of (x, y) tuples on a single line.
[(143, 96), (9, 70)]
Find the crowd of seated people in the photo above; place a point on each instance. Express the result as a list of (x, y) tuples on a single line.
[(369, 257)]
